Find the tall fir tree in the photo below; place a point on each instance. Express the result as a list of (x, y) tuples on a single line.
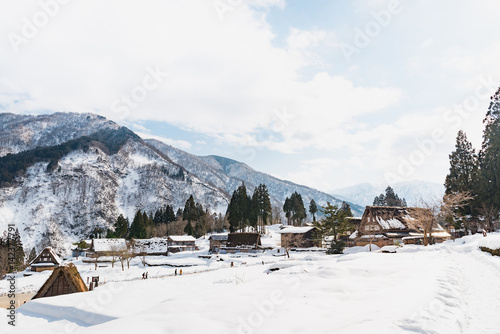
[(313, 208), (138, 228), (238, 210)]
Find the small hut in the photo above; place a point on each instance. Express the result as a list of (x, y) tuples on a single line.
[(46, 260), (301, 237), (64, 280), (180, 243), (217, 241)]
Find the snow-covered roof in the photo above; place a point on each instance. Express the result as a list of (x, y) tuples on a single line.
[(179, 238), (153, 245), (392, 223), (52, 253), (296, 229), (109, 245), (219, 237)]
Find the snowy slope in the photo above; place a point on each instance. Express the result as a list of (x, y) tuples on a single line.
[(413, 191), (24, 132), (90, 187), (228, 174), (445, 288)]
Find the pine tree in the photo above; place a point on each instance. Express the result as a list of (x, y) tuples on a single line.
[(190, 212), (389, 199), (313, 208), (260, 208), (31, 256), (334, 223), (17, 245), (138, 229), (188, 229), (489, 157), (238, 210)]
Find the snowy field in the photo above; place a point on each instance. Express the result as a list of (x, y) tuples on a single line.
[(447, 288)]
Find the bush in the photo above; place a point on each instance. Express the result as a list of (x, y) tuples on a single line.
[(336, 247)]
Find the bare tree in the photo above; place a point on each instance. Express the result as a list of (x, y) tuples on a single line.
[(490, 215), (426, 216), (289, 241)]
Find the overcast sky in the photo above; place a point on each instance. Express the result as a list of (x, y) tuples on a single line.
[(323, 93)]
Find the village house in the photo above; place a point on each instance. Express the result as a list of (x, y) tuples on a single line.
[(241, 243), (153, 246), (180, 243), (217, 241), (46, 260), (63, 280), (106, 247), (387, 225), (300, 237)]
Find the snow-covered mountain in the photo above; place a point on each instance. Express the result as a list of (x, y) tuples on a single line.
[(413, 191), (84, 170)]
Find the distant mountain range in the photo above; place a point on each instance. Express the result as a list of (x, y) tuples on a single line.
[(63, 174), (413, 191)]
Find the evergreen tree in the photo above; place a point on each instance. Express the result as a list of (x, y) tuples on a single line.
[(16, 244), (238, 210), (313, 208), (178, 215), (294, 209), (31, 256), (138, 228), (190, 212), (389, 199), (169, 214), (188, 229), (463, 177), (334, 223), (489, 157), (260, 207)]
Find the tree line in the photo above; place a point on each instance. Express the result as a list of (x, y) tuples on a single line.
[(477, 174)]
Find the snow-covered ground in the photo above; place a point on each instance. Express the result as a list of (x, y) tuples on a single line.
[(447, 288)]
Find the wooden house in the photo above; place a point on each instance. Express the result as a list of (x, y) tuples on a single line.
[(106, 247), (46, 260), (64, 280), (300, 237), (217, 241), (387, 225), (153, 246), (242, 243), (180, 243)]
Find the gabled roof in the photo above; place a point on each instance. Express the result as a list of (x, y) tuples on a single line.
[(218, 237), (180, 238), (388, 217), (153, 245), (66, 276), (243, 239), (296, 229), (108, 245), (55, 259)]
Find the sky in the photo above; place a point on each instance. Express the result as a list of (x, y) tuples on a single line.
[(327, 94)]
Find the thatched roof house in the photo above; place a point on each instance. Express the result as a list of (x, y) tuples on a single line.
[(251, 240), (64, 280), (46, 260), (386, 225)]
